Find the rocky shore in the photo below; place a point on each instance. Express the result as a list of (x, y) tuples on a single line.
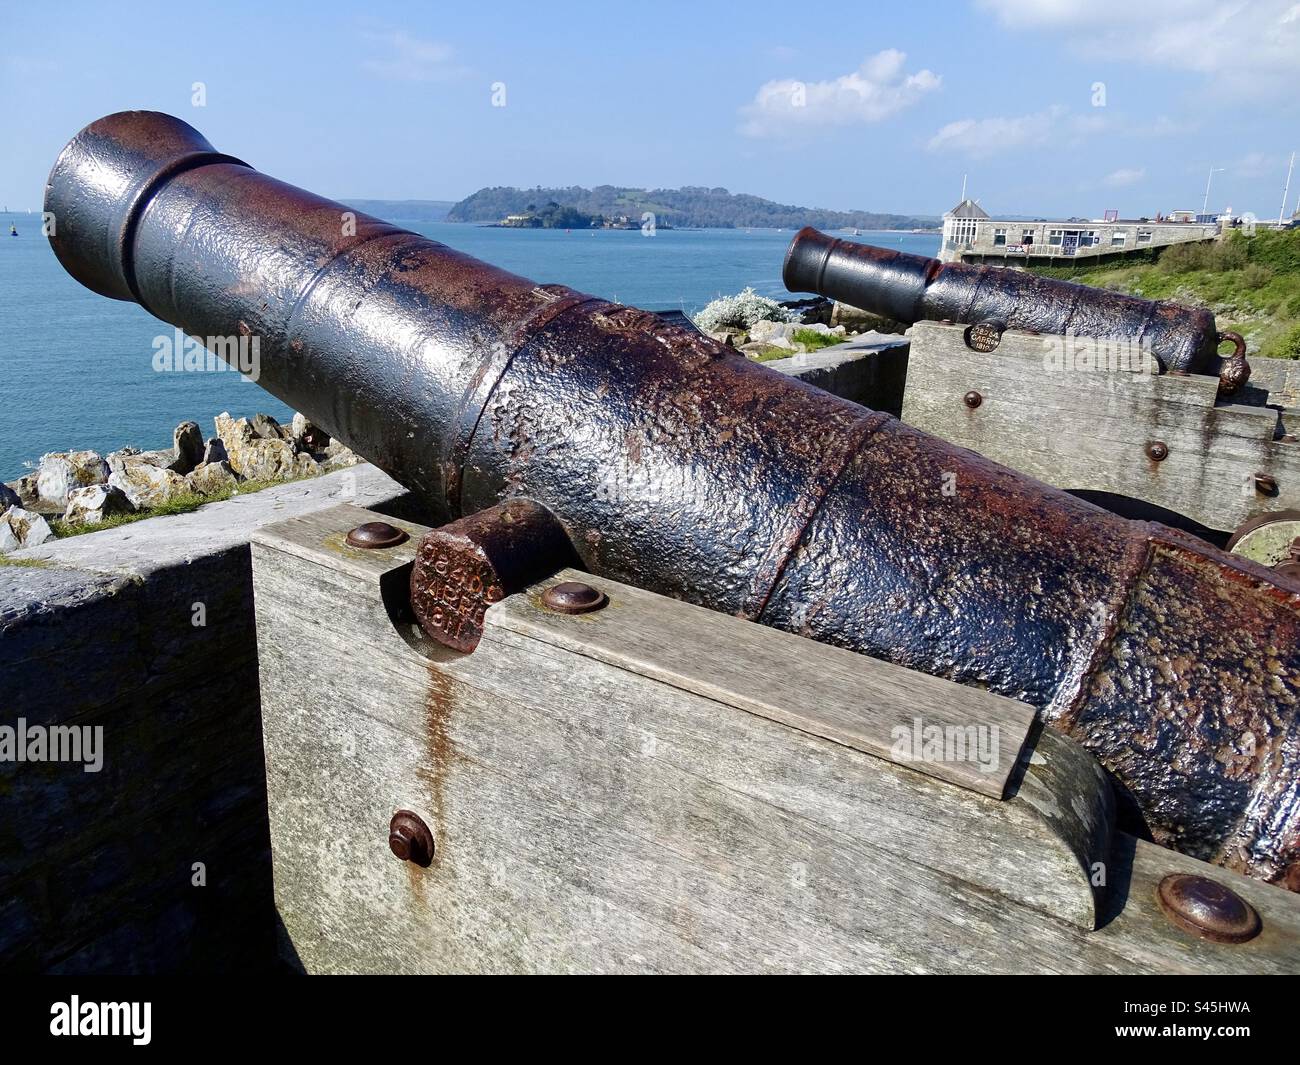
[(70, 491), (763, 329)]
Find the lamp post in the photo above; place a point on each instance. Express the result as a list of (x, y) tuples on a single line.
[(1205, 204)]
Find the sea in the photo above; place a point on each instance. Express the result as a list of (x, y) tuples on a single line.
[(77, 369)]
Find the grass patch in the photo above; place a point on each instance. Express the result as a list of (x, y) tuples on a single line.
[(183, 503), (1251, 284), (26, 563), (814, 340)]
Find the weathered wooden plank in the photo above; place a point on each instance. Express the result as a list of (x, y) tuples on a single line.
[(1081, 428), (590, 818), (871, 706)]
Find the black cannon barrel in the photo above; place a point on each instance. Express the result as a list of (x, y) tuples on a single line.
[(672, 463), (911, 288)]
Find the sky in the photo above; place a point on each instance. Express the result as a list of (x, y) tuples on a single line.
[(1046, 107)]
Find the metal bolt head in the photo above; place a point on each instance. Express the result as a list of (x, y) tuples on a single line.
[(1157, 450), (573, 597), (375, 534), (1207, 909), (972, 399), (409, 838)]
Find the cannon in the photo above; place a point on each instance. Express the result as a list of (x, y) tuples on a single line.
[(911, 288), (545, 426)]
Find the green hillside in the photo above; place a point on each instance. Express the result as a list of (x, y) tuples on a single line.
[(1251, 284), (685, 207)]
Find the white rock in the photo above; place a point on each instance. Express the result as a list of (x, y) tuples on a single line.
[(770, 331), (211, 478), (94, 503), (147, 486), (62, 471), (22, 528), (339, 456), (252, 456), (132, 456)]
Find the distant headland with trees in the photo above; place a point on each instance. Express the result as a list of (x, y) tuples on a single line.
[(693, 207)]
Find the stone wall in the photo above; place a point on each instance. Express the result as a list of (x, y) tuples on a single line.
[(145, 631)]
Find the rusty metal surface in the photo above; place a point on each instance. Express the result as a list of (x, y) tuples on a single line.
[(409, 838), (573, 597), (375, 536), (467, 565), (1207, 909), (911, 288), (672, 463)]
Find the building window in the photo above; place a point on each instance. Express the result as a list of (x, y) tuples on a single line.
[(1144, 236), (999, 238), (1088, 238), (1027, 237), (1117, 239), (961, 232), (1054, 236)]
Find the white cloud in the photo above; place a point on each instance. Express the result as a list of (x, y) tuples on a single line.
[(1124, 176), (1244, 47), (981, 138), (409, 58), (877, 90), (1256, 164)]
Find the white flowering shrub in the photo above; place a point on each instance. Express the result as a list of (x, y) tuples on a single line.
[(741, 312)]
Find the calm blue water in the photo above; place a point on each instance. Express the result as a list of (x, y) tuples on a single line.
[(76, 369)]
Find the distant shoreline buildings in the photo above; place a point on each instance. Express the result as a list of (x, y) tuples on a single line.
[(971, 235)]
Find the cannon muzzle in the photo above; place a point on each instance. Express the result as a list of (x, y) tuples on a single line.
[(911, 288), (663, 459)]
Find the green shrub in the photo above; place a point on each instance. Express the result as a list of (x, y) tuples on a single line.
[(1284, 346), (1278, 249), (1184, 258), (1256, 275)]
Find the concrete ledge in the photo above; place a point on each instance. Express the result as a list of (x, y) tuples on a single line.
[(870, 369)]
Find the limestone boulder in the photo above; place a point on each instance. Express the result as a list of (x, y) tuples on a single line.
[(338, 456), (214, 451), (92, 504), (22, 528), (268, 428), (774, 332), (61, 472), (146, 485), (26, 488), (252, 456), (187, 447), (120, 459), (211, 478)]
